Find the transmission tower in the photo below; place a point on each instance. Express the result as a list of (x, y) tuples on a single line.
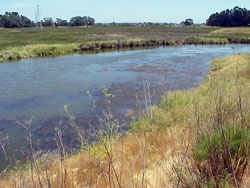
[(38, 22)]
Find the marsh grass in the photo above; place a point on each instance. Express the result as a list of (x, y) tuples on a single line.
[(54, 41), (40, 50), (67, 35), (234, 35), (206, 40), (233, 31), (219, 153)]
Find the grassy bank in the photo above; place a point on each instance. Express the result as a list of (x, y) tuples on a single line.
[(234, 35), (193, 138), (53, 41)]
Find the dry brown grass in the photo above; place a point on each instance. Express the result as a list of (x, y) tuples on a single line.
[(135, 160), (233, 31)]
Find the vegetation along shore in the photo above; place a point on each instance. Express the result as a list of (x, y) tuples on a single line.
[(194, 138), (53, 41)]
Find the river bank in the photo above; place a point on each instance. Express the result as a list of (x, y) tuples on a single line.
[(50, 83), (174, 143), (47, 50), (27, 43)]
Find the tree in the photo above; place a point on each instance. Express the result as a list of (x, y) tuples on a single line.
[(91, 21), (230, 18), (76, 21), (14, 20), (82, 21), (26, 22), (48, 22), (214, 19), (240, 17), (11, 20), (60, 22), (188, 21)]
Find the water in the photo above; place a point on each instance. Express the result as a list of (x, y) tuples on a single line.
[(39, 88)]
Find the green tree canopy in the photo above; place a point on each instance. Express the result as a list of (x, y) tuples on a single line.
[(188, 21), (82, 21), (76, 21), (48, 22), (61, 22), (14, 20), (230, 18)]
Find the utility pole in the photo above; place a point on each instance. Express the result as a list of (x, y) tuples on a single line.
[(38, 22)]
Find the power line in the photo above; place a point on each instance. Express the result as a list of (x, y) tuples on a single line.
[(38, 22)]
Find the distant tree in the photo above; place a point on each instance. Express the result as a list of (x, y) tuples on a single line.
[(14, 20), (48, 22), (214, 19), (91, 21), (230, 18), (85, 20), (240, 16), (11, 20), (188, 21), (60, 22), (225, 18), (76, 21), (81, 21), (26, 22)]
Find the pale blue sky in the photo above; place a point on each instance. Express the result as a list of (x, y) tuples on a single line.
[(106, 11)]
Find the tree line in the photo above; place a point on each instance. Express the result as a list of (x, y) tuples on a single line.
[(226, 18), (14, 20), (230, 18)]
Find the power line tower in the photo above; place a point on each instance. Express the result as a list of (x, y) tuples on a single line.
[(38, 22)]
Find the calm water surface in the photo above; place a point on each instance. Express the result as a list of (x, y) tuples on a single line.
[(39, 88)]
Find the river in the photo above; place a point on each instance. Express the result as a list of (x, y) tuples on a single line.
[(39, 88)]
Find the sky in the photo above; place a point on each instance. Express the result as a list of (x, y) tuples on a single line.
[(120, 11)]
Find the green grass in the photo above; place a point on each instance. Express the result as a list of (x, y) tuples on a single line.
[(20, 43), (39, 50), (64, 35), (218, 152), (206, 40), (234, 35)]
